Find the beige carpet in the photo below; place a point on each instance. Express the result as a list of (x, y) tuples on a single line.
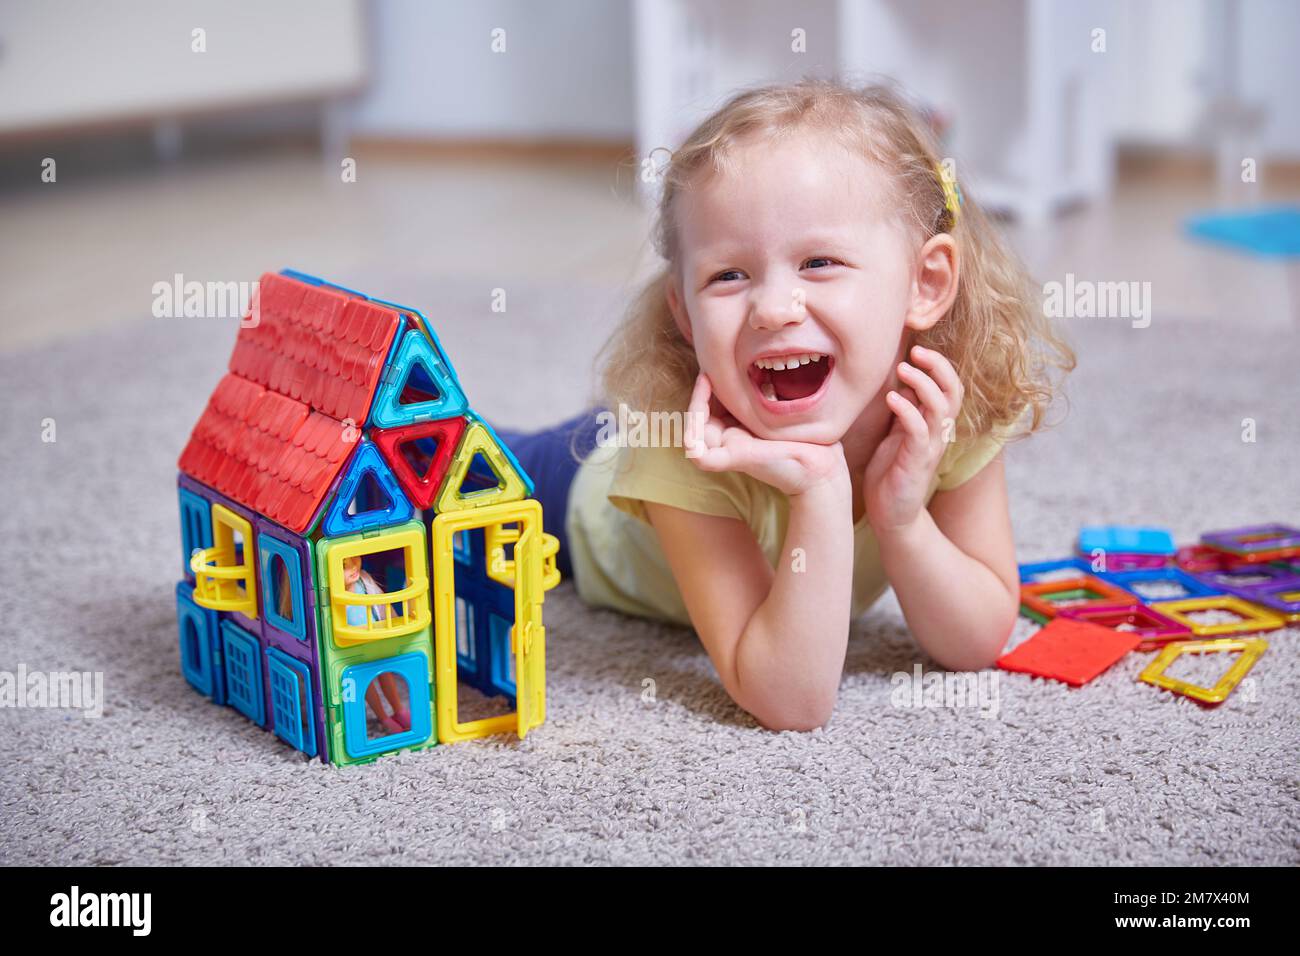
[(1116, 772)]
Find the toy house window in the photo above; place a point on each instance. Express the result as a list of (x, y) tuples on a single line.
[(465, 649), (503, 657), (419, 387), (480, 477), (196, 640), (283, 602), (243, 672), (196, 528), (460, 547), (291, 703), (383, 572), (281, 588), (370, 496), (191, 650), (388, 706), (419, 454), (378, 587), (223, 573), (391, 708)]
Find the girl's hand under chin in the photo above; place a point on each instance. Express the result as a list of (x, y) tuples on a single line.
[(717, 442), (899, 472)]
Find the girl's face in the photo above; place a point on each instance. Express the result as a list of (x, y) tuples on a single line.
[(351, 571), (795, 283)]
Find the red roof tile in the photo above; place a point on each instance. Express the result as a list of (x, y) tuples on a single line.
[(267, 452), (273, 436), (318, 346)]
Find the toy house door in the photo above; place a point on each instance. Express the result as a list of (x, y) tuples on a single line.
[(528, 636)]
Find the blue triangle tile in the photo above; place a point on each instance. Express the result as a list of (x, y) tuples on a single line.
[(417, 351), (367, 461)]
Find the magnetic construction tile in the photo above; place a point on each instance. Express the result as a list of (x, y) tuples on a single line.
[(1249, 617), (1149, 626), (271, 454), (316, 345), (274, 435), (1125, 539), (1250, 650), (1038, 597), (1071, 651), (445, 433)]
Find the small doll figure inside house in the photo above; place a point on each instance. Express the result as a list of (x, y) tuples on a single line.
[(396, 717)]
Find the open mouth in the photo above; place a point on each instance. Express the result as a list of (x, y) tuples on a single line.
[(782, 379)]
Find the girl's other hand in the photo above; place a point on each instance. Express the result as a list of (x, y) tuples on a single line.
[(717, 442), (899, 472)]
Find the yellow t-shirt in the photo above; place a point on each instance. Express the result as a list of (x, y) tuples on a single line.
[(617, 561)]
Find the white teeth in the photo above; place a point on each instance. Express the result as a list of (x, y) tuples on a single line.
[(769, 392), (783, 362)]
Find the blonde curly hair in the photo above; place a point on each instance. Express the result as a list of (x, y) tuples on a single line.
[(996, 336)]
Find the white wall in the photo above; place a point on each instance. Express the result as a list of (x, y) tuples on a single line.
[(566, 72), (1160, 51), (1270, 71), (1168, 52)]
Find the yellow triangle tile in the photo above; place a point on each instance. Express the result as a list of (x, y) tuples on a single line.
[(510, 488)]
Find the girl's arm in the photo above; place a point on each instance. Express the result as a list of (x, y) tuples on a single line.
[(954, 572), (951, 565), (777, 637)]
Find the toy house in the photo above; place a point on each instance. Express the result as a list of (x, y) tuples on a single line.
[(358, 547)]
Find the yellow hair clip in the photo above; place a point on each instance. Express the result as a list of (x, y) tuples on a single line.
[(951, 192)]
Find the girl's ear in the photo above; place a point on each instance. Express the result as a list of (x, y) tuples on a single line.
[(934, 288), (673, 294)]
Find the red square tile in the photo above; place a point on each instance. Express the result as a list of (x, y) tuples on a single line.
[(1071, 651)]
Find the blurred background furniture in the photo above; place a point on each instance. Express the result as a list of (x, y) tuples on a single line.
[(1021, 81), (73, 66)]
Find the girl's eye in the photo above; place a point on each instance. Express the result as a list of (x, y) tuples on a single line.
[(721, 276), (825, 259)]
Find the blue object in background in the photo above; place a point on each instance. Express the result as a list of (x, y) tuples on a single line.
[(1269, 233), (1122, 539)]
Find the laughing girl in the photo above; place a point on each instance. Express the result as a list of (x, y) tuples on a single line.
[(854, 343)]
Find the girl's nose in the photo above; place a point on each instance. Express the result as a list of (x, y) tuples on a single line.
[(775, 308)]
